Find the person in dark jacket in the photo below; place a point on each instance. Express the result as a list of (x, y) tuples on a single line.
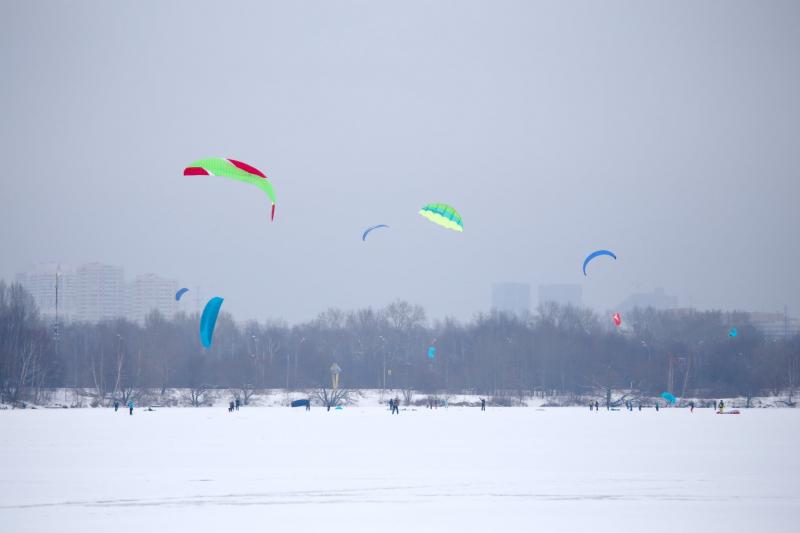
[(116, 406), (237, 404), (483, 404)]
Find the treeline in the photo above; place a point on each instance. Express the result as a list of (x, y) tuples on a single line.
[(557, 350)]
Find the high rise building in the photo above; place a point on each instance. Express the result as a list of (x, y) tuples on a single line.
[(776, 325), (562, 294), (48, 282), (511, 298), (149, 292), (99, 292)]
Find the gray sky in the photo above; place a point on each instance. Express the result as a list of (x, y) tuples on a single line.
[(668, 132)]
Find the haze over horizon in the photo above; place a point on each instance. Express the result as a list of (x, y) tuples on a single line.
[(667, 133)]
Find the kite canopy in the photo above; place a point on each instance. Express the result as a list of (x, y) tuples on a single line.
[(592, 255), (431, 352), (617, 319), (208, 320), (733, 332), (669, 397), (444, 215), (300, 403), (368, 230), (231, 168), (180, 293)]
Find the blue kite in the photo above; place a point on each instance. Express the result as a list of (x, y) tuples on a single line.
[(598, 253), (431, 352), (180, 293), (208, 320), (669, 397), (368, 230)]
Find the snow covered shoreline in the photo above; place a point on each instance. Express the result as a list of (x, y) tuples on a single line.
[(219, 397)]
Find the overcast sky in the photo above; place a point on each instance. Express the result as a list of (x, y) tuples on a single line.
[(668, 132)]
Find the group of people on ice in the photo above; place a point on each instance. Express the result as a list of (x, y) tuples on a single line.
[(130, 406), (594, 405), (233, 405), (394, 406)]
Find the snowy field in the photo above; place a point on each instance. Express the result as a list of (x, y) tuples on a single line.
[(360, 469)]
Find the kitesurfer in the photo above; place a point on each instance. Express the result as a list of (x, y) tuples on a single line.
[(116, 405), (483, 404)]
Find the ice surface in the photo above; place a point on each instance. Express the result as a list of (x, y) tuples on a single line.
[(360, 469)]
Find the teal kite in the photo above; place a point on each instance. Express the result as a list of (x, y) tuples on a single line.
[(208, 320), (231, 168), (444, 215)]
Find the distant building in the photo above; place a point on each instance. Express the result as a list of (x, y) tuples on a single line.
[(43, 282), (658, 299), (149, 292), (776, 325), (511, 298), (562, 294), (99, 292)]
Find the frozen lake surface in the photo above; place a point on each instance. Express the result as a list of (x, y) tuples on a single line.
[(360, 469)]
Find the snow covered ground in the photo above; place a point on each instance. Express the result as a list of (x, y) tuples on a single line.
[(360, 469)]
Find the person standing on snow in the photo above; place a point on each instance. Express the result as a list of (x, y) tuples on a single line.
[(116, 405), (237, 404), (691, 407), (130, 407), (721, 406), (483, 404)]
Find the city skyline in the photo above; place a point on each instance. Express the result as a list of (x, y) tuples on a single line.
[(505, 296)]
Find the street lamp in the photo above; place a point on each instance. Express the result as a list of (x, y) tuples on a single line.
[(383, 343)]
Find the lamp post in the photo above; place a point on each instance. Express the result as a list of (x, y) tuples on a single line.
[(383, 374)]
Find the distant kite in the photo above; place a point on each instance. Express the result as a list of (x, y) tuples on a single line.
[(669, 397), (733, 332), (617, 319), (596, 254), (368, 230), (180, 293), (208, 320), (231, 168), (432, 352), (444, 215)]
